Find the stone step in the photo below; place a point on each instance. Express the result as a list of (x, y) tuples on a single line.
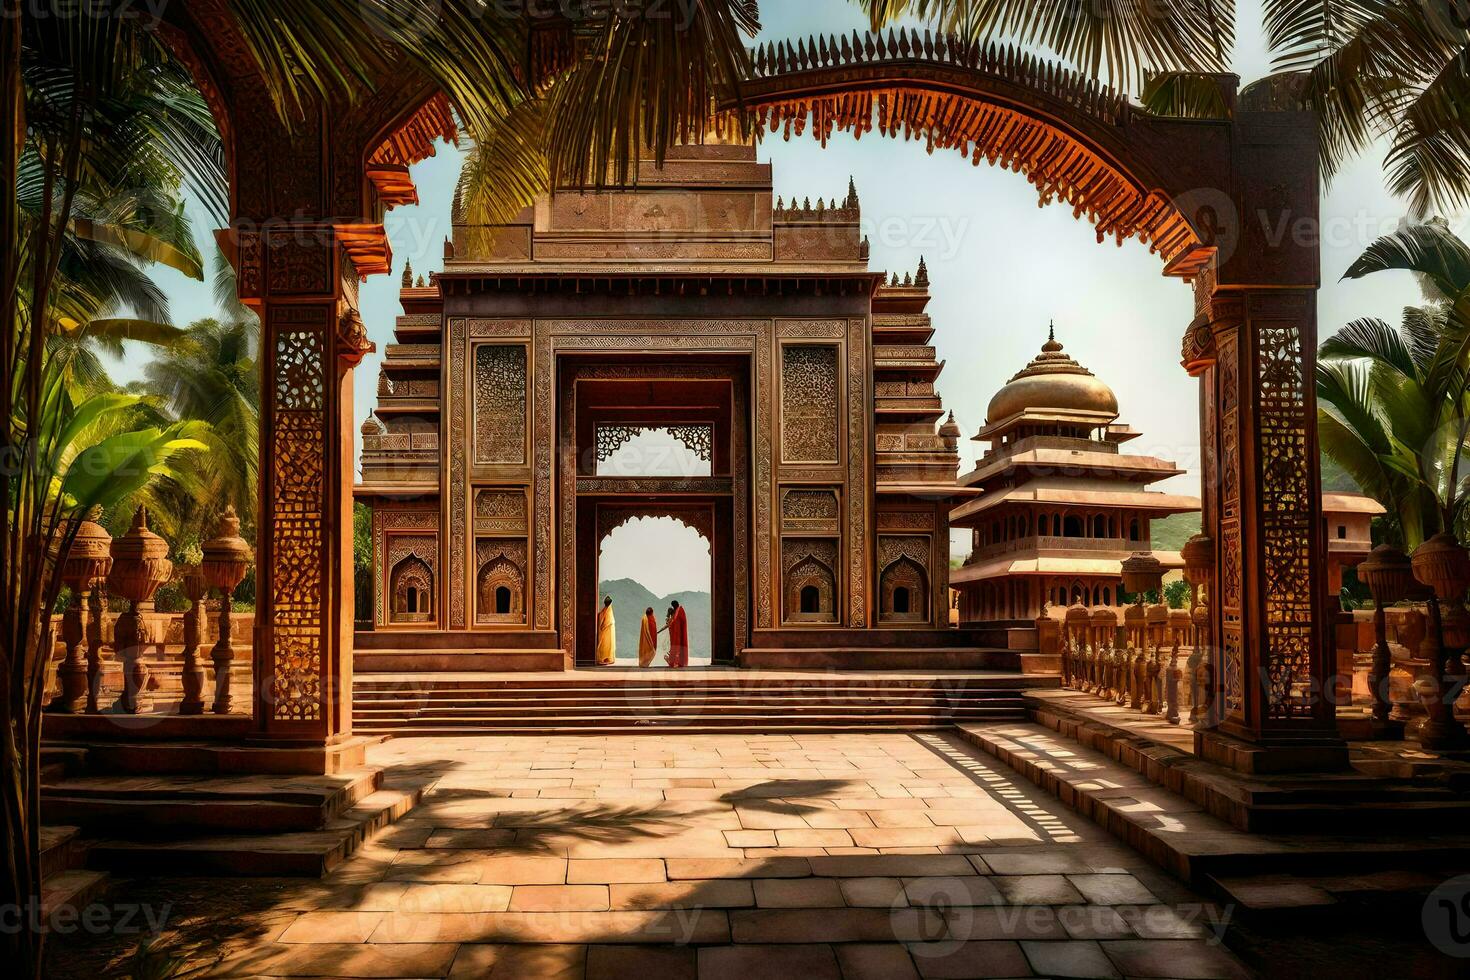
[(411, 661), (105, 755), (1346, 802), (677, 702), (571, 720), (678, 691), (307, 854), (700, 727), (62, 849), (713, 721), (68, 759), (616, 679), (1196, 845), (878, 659), (68, 893), (1384, 901), (140, 807)]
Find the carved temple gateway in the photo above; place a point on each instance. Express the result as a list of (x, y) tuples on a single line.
[(750, 330)]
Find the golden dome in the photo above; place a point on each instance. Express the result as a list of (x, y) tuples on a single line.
[(1053, 383)]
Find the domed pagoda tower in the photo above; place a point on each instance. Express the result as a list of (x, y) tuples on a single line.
[(1060, 505)]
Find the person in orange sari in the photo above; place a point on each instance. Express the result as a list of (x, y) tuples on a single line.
[(647, 638), (678, 638), (607, 640)]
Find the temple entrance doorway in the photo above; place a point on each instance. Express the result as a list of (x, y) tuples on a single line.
[(650, 562), (657, 503)]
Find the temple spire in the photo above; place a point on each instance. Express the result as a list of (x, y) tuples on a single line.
[(852, 195), (1051, 346), (407, 274), (922, 278)]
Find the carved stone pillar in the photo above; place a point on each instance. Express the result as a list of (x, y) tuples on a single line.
[(1263, 508), (303, 284)]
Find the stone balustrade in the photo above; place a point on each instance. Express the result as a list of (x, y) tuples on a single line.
[(1140, 657), (150, 659)]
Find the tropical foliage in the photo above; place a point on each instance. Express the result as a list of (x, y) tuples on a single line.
[(210, 374), (1393, 405), (1373, 69)]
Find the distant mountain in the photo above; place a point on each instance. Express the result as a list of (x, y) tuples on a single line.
[(1170, 533), (630, 599)]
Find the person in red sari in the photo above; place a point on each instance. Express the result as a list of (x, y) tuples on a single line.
[(678, 638)]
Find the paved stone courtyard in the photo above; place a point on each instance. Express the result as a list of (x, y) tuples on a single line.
[(884, 855)]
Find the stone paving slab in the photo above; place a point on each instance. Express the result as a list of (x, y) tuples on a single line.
[(844, 856)]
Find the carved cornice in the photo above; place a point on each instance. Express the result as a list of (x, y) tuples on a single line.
[(1069, 134)]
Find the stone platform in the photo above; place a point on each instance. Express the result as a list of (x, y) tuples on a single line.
[(889, 855), (631, 700)]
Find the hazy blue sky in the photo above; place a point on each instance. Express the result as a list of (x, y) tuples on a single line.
[(1001, 267)]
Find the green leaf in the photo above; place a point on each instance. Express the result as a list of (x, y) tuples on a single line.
[(1186, 95), (145, 246)]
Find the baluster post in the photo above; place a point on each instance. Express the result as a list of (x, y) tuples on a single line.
[(227, 558), (1389, 576), (139, 566), (87, 564)]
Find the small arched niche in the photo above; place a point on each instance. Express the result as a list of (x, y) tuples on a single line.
[(811, 593), (411, 583), (500, 594), (903, 593)]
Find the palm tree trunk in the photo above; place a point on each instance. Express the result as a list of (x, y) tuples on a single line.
[(20, 945)]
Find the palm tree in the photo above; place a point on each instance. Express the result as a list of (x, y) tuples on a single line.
[(210, 374), (1374, 68), (1393, 404)]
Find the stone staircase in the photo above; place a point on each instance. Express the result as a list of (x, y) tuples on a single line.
[(187, 817), (624, 701), (1307, 850)]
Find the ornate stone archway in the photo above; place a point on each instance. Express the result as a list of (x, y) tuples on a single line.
[(1222, 202), (1231, 205)]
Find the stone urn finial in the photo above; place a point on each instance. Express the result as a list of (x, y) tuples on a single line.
[(1199, 559), (227, 556), (86, 566), (1388, 573), (140, 566), (1443, 564), (1142, 572)]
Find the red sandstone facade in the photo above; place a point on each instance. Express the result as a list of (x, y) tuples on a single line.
[(750, 329)]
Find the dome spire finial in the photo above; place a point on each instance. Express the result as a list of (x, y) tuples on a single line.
[(1051, 346)]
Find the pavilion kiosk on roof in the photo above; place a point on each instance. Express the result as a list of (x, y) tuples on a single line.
[(1061, 506), (750, 329)]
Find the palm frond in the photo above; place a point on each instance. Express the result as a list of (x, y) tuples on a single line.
[(1373, 339), (1429, 162), (1431, 249), (646, 83), (1118, 40), (1185, 95), (502, 173)]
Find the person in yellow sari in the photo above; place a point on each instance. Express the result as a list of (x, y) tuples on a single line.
[(607, 640), (647, 638)]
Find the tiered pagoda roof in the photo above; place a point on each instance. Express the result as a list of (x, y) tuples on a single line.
[(1054, 449), (400, 438), (914, 453)]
